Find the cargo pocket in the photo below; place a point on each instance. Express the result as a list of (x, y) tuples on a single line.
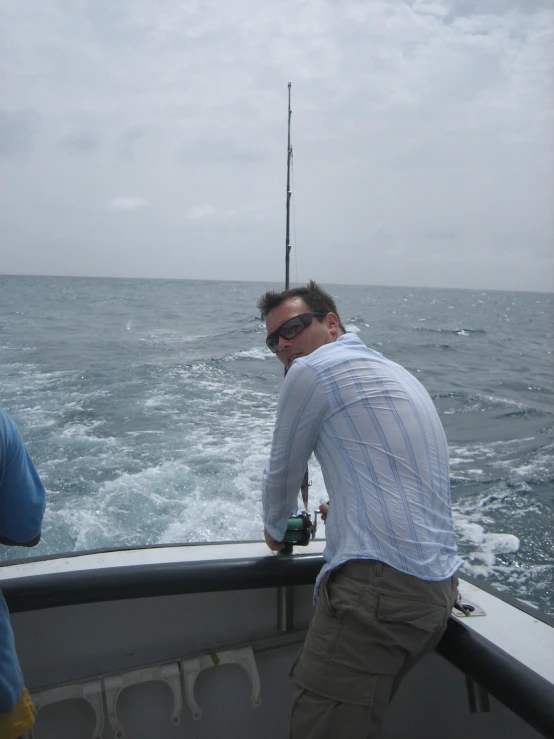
[(422, 615), (325, 626), (325, 597)]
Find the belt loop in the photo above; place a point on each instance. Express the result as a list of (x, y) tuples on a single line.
[(378, 568)]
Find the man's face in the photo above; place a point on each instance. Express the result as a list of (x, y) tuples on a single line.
[(321, 330)]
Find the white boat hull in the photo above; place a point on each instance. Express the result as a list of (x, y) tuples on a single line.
[(124, 644)]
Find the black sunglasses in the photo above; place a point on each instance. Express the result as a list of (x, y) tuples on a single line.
[(290, 328)]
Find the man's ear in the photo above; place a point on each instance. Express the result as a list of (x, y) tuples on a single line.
[(333, 323)]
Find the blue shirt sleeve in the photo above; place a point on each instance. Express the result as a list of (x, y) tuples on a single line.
[(301, 410), (22, 494), (11, 678), (22, 501)]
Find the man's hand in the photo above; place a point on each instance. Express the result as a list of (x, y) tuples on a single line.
[(275, 546), (324, 508)]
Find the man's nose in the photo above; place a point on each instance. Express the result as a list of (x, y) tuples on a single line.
[(282, 343)]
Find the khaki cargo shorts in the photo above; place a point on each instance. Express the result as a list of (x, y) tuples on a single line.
[(371, 625)]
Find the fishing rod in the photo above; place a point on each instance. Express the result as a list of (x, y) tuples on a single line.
[(300, 528), (287, 230)]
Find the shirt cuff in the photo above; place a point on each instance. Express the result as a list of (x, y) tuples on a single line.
[(274, 532)]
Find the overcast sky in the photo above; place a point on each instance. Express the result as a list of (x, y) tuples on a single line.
[(147, 138)]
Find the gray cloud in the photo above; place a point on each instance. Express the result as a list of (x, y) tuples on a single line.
[(130, 140), (17, 130), (219, 150), (80, 142), (127, 202), (422, 139)]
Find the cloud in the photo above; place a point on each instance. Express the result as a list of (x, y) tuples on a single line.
[(127, 202), (220, 150), (17, 130), (80, 142), (249, 213), (420, 129), (130, 139), (200, 212)]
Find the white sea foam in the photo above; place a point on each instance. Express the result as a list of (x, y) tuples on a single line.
[(472, 532), (539, 468), (526, 470), (159, 399), (471, 453), (162, 336), (503, 401), (201, 520), (81, 431), (487, 545), (500, 543), (254, 353), (88, 529), (121, 509)]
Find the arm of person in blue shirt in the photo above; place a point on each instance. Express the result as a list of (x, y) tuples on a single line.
[(9, 543), (22, 494)]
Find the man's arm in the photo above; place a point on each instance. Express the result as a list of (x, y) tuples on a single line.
[(22, 494), (9, 543), (301, 409)]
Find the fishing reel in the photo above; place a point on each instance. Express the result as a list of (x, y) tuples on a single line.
[(300, 529)]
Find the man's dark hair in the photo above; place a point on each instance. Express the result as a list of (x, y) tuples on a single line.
[(314, 296)]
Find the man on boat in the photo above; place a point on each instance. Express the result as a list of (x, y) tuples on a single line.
[(22, 501), (385, 593)]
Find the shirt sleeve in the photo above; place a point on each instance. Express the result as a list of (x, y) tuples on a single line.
[(301, 409), (22, 494)]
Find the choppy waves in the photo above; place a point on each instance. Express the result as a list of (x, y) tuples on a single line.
[(150, 430)]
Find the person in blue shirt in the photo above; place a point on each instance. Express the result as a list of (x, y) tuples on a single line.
[(22, 502), (384, 595)]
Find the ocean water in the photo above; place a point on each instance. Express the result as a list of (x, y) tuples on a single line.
[(148, 407)]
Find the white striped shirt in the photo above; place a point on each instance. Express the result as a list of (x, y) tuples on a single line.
[(383, 453)]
